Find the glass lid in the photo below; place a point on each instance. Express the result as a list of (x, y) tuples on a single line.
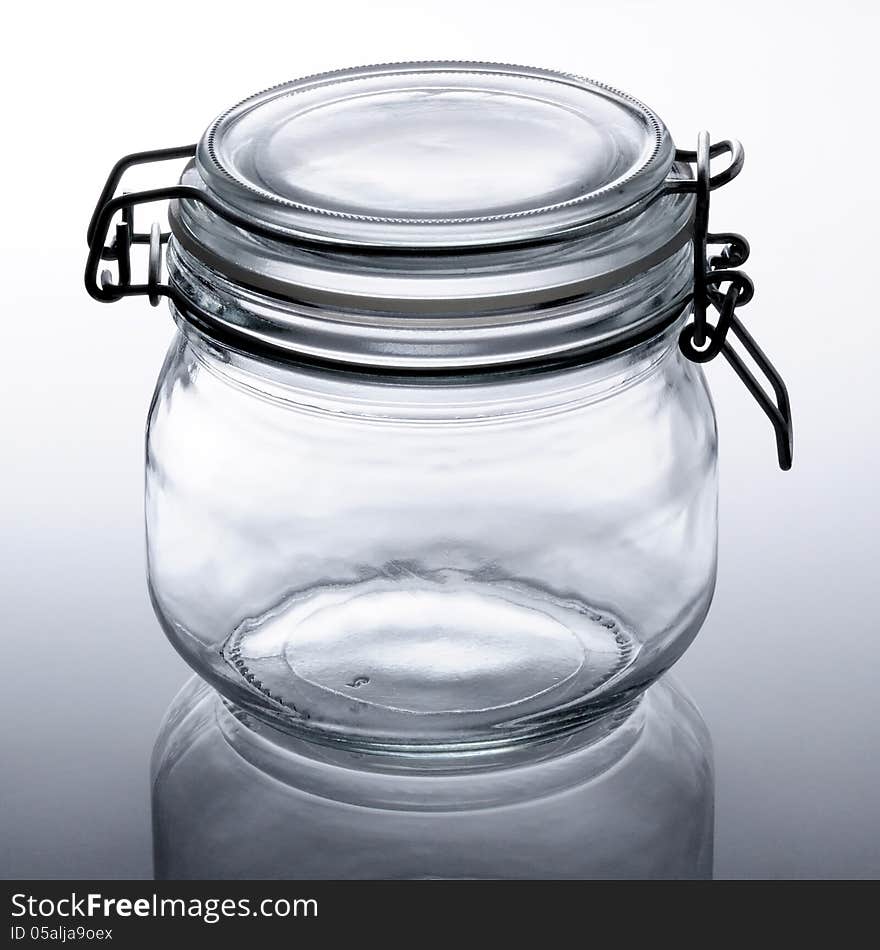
[(438, 214), (426, 155)]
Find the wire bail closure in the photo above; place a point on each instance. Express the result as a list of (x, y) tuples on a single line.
[(700, 341)]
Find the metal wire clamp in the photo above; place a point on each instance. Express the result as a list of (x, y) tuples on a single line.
[(700, 341)]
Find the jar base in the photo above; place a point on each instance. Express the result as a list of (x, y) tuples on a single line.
[(429, 658)]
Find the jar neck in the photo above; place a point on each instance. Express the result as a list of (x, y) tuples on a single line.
[(566, 333), (489, 396)]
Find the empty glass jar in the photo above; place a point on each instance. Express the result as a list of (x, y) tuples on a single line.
[(427, 469), (430, 562)]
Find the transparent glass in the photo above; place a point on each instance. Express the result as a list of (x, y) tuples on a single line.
[(631, 796), (426, 565)]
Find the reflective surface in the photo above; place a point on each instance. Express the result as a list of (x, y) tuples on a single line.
[(630, 796)]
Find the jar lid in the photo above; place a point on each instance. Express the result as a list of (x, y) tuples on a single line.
[(434, 155), (386, 213)]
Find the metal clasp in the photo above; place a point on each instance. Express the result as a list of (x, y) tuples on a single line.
[(103, 287), (701, 341)]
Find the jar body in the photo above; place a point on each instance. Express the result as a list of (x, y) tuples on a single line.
[(430, 564)]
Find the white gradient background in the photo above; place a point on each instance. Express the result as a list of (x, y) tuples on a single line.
[(785, 669)]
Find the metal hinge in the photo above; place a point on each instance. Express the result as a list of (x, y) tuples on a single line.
[(719, 284)]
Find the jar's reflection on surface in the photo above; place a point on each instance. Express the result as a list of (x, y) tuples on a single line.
[(629, 797)]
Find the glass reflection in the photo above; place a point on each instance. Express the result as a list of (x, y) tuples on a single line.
[(631, 796)]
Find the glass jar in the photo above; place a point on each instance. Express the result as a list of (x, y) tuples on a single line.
[(431, 562), (431, 465)]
